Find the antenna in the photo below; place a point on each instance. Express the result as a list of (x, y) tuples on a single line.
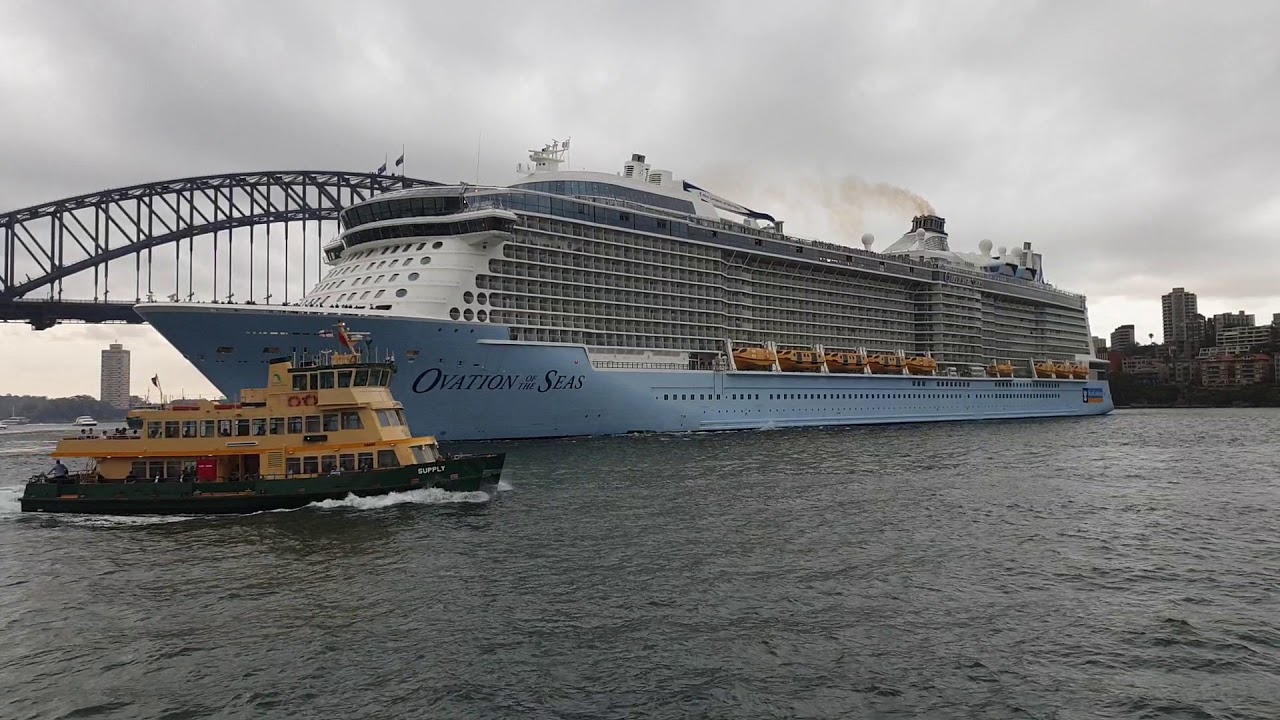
[(479, 137)]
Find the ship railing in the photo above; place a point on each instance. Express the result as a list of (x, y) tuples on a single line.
[(636, 365)]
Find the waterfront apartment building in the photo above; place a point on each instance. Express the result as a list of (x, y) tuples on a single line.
[(1123, 338), (1179, 312), (1225, 370), (115, 376)]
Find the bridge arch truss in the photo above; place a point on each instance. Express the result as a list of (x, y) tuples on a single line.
[(59, 257)]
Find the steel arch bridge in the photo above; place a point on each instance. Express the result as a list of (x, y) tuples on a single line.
[(58, 257)]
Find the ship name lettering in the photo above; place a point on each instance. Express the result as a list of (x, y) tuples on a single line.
[(437, 379), (430, 469)]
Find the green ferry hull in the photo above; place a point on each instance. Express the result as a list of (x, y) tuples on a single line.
[(461, 474)]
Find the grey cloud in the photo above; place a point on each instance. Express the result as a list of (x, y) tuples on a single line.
[(1131, 143)]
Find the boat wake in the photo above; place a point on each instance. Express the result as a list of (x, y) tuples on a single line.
[(425, 496)]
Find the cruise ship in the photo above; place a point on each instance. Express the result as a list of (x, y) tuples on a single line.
[(581, 303)]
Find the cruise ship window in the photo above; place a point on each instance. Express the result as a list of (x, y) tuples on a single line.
[(378, 294), (437, 245), (413, 276), (426, 260), (313, 423)]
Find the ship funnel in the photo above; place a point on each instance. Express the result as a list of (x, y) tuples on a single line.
[(929, 223)]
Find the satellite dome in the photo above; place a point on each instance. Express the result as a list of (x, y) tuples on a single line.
[(985, 247), (868, 240)]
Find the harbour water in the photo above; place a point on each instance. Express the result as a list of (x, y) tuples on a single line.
[(1115, 567)]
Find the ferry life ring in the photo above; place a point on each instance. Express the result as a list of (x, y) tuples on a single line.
[(309, 399), (294, 401)]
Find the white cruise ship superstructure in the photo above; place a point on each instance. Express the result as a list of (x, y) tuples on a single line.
[(575, 303)]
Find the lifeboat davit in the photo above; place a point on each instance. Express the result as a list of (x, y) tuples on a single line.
[(754, 358), (799, 361), (921, 365), (845, 362), (886, 364)]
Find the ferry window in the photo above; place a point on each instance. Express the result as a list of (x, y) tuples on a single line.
[(295, 425), (172, 469), (310, 465), (292, 466), (364, 460), (189, 428), (299, 381), (326, 380), (379, 377), (313, 423), (259, 426), (224, 428), (383, 418), (154, 429), (328, 463), (400, 418), (351, 421), (362, 378), (155, 469), (387, 458), (171, 428), (138, 469), (277, 426), (331, 422), (242, 427), (313, 381), (347, 463), (344, 378), (420, 455)]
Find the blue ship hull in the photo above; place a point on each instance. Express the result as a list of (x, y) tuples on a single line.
[(467, 381)]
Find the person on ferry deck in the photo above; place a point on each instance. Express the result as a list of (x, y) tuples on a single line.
[(59, 470)]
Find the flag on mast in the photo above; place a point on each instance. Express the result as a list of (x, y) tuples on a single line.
[(344, 339)]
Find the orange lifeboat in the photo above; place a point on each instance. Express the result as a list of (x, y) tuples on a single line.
[(1079, 372), (845, 362), (922, 365), (886, 364), (1000, 370), (754, 358), (799, 360), (1045, 370), (1062, 371)]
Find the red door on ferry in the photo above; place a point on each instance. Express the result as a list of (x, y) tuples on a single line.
[(206, 470)]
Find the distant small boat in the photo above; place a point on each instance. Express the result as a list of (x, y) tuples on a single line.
[(85, 421), (15, 420)]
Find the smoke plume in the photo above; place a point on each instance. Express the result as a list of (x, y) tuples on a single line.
[(848, 200)]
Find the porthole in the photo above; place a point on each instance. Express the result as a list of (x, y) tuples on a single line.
[(413, 276), (482, 298), (437, 245), (480, 315), (426, 260), (468, 315), (467, 297), (454, 313), (401, 292)]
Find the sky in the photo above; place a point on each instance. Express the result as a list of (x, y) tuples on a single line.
[(1132, 143)]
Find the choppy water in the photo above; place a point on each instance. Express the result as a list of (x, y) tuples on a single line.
[(1122, 567)]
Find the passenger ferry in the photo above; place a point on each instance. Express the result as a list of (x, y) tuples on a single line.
[(578, 303), (320, 430), (85, 421)]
